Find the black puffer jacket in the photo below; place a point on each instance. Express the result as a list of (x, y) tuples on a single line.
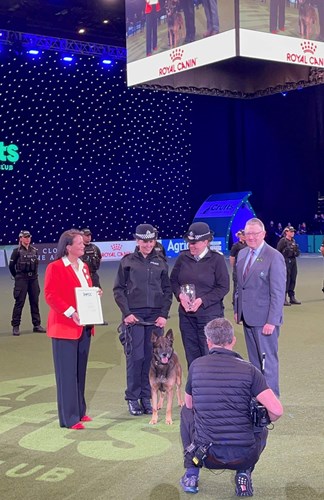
[(222, 385), (143, 283)]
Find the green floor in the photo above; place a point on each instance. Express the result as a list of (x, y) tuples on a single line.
[(123, 457)]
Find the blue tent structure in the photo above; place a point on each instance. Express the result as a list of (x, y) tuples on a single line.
[(225, 213)]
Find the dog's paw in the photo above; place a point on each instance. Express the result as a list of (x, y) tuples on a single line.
[(153, 421)]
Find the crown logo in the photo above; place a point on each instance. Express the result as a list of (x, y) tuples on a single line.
[(116, 246), (308, 47), (176, 55)]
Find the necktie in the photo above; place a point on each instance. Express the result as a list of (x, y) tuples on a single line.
[(248, 265)]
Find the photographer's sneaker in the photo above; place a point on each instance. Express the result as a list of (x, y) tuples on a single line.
[(189, 484), (243, 484)]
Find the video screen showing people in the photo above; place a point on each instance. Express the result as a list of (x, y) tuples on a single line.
[(155, 26), (289, 31), (294, 18)]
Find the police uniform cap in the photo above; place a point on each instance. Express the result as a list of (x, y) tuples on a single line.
[(289, 228), (199, 231), (145, 232), (24, 234), (86, 231)]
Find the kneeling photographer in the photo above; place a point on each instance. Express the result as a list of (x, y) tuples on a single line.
[(222, 426)]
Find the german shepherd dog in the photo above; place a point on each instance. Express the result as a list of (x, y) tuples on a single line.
[(165, 373), (175, 22), (307, 18)]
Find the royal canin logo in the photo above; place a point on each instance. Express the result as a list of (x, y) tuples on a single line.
[(176, 55), (308, 56), (178, 63), (308, 47), (116, 246)]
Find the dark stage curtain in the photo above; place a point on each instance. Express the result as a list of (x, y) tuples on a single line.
[(273, 146)]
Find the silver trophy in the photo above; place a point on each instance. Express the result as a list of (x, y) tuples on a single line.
[(190, 291)]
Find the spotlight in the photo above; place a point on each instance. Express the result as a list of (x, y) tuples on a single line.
[(284, 94), (81, 31), (107, 61), (33, 52), (68, 58)]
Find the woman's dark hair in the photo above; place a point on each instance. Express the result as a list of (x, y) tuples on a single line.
[(66, 239)]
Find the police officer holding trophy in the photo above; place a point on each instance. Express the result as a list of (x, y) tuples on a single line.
[(290, 250), (23, 266), (91, 256)]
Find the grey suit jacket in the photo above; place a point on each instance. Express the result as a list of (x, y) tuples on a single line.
[(261, 295)]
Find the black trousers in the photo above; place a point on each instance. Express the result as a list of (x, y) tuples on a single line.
[(221, 457), (95, 279), (291, 266), (26, 285), (277, 14), (139, 356), (192, 333), (70, 362)]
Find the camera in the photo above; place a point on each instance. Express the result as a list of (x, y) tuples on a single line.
[(259, 414), (200, 455)]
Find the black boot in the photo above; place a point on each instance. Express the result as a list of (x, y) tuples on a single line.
[(134, 407), (146, 405)]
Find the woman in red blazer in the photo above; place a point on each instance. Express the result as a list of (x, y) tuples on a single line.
[(70, 340)]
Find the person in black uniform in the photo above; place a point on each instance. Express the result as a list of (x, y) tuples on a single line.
[(290, 250), (91, 256), (236, 247), (23, 266), (217, 411), (143, 293), (207, 271)]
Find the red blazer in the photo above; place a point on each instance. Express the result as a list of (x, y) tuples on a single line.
[(60, 282)]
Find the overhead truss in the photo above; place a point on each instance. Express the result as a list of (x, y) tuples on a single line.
[(40, 42)]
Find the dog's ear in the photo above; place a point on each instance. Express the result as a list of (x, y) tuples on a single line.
[(154, 337), (169, 335)]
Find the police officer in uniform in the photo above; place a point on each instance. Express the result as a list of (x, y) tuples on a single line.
[(290, 250), (143, 293), (91, 256), (23, 267)]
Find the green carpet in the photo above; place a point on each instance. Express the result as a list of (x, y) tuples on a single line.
[(123, 457)]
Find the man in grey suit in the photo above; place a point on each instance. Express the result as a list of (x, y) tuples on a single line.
[(260, 296)]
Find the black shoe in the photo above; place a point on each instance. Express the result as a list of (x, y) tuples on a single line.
[(243, 484), (293, 300), (39, 329), (146, 405), (134, 407), (189, 484), (15, 331)]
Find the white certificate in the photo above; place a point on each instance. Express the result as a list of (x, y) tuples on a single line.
[(89, 305)]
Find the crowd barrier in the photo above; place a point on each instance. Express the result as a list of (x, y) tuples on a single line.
[(115, 250)]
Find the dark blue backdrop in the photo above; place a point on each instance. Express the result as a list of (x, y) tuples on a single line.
[(94, 153)]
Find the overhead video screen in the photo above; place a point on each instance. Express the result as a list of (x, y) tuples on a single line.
[(166, 37), (289, 31)]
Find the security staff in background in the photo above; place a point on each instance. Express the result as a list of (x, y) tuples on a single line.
[(23, 266), (216, 420), (290, 250), (92, 256)]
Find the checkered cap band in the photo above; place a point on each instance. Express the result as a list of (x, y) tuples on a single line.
[(146, 236), (192, 236)]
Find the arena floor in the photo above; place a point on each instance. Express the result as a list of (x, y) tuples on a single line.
[(119, 456)]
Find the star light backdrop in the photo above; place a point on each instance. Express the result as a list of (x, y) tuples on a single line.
[(92, 152)]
